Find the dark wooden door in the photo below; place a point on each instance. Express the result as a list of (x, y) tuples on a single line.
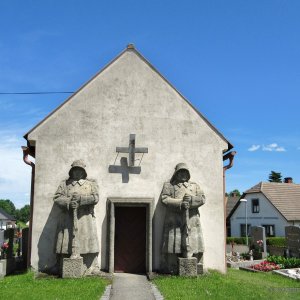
[(130, 239)]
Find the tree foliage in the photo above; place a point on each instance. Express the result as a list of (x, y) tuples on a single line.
[(8, 207), (22, 214), (235, 192), (275, 177)]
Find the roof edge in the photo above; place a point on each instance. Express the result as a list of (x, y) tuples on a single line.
[(131, 47)]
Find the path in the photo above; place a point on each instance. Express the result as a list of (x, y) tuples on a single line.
[(132, 287)]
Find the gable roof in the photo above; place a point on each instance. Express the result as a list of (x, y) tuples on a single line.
[(231, 203), (5, 216), (131, 48), (284, 196)]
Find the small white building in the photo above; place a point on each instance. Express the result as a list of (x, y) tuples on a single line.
[(269, 204), (6, 220)]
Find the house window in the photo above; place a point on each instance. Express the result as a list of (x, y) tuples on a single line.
[(255, 206), (270, 230), (243, 229)]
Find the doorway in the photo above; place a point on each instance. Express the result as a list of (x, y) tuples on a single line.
[(130, 239), (130, 234)]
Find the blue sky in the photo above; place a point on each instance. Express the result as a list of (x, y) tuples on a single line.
[(236, 61)]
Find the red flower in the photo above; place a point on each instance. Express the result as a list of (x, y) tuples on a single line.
[(5, 246), (266, 266)]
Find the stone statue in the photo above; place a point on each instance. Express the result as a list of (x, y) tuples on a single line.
[(77, 235), (182, 230)]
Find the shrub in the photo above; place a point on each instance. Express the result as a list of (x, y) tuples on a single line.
[(285, 262), (276, 241)]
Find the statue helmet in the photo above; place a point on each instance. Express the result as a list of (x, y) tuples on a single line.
[(180, 166), (78, 164)]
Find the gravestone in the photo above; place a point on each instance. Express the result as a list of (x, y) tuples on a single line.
[(258, 234), (25, 236), (9, 234), (292, 236), (1, 236)]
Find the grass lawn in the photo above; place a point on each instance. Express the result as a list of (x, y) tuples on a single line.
[(25, 286), (236, 284)]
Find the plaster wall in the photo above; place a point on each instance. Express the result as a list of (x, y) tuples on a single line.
[(268, 215), (127, 97)]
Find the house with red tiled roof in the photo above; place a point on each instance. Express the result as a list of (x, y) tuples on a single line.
[(269, 204)]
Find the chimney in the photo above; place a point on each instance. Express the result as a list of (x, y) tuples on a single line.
[(288, 180)]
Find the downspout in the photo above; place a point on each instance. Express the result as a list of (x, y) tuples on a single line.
[(230, 155), (26, 152)]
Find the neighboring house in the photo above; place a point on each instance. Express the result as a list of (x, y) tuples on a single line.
[(231, 201), (6, 220), (269, 204)]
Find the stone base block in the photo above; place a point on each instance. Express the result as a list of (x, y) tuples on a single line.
[(2, 267), (187, 266), (72, 267), (200, 269)]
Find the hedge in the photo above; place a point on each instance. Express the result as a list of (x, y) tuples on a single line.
[(237, 240), (271, 241), (276, 241), (286, 263)]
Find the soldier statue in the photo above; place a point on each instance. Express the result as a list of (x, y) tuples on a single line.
[(78, 194), (182, 230)]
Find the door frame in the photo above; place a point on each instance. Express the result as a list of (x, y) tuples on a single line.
[(129, 202)]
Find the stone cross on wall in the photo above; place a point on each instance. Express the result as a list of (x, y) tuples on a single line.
[(128, 168), (131, 150)]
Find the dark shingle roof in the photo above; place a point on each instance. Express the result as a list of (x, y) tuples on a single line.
[(5, 216), (284, 196)]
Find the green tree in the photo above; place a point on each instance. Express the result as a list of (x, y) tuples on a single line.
[(8, 207), (23, 214), (236, 192), (275, 177)]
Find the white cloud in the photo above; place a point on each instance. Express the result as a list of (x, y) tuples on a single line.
[(254, 148), (280, 149), (271, 147)]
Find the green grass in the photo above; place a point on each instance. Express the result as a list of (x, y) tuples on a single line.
[(236, 284), (25, 286)]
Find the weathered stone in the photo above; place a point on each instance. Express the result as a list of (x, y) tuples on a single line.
[(127, 97), (258, 234), (25, 237), (187, 266), (2, 267), (292, 235), (76, 197), (200, 269), (72, 267), (1, 236), (182, 230), (9, 234)]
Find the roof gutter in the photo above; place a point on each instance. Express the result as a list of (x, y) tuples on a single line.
[(230, 155), (26, 153)]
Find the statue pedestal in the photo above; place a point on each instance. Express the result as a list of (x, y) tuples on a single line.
[(72, 267), (187, 266)]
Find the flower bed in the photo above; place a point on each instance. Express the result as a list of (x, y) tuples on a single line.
[(265, 266)]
